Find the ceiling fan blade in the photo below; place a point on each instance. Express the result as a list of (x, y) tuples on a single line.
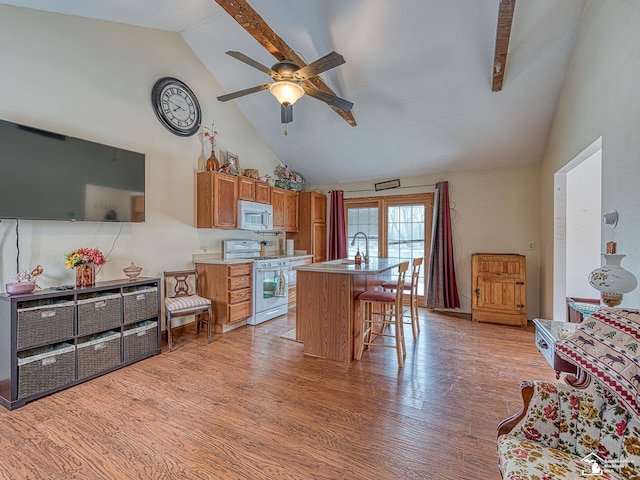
[(241, 93), (286, 113), (327, 98), (329, 61), (250, 61)]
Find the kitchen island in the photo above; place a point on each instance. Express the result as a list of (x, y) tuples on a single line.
[(327, 312)]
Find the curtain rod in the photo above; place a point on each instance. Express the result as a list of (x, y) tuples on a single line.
[(374, 190)]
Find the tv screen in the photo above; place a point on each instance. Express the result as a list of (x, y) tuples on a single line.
[(49, 176)]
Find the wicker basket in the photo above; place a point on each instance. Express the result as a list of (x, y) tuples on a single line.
[(140, 304), (99, 313), (98, 353), (45, 368), (140, 340), (43, 323)]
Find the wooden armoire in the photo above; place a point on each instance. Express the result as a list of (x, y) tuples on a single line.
[(499, 288)]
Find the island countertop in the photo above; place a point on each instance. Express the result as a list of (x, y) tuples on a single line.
[(328, 313), (375, 266)]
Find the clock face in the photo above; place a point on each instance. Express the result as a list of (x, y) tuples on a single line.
[(176, 106)]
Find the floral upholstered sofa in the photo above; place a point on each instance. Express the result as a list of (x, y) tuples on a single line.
[(565, 432)]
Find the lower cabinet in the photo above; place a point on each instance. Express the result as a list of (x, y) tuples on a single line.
[(229, 286), (51, 340)]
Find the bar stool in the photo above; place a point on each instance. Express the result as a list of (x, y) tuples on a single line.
[(384, 309), (412, 290)]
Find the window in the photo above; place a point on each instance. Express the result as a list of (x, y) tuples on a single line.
[(397, 227)]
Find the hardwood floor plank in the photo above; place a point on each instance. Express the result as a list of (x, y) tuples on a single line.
[(249, 405)]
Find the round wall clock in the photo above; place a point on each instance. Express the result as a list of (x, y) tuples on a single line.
[(176, 106)]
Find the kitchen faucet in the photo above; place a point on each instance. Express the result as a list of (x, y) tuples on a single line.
[(366, 245)]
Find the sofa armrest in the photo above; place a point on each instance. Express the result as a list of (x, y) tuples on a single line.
[(526, 390)]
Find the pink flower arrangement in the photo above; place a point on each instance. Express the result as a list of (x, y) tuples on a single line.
[(84, 256), (210, 134)]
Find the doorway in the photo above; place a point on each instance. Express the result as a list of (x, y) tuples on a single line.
[(577, 227), (397, 227)]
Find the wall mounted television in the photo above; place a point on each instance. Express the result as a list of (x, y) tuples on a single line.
[(51, 176)]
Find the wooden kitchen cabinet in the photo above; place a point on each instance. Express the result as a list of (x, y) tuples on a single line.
[(285, 209), (246, 189), (229, 286), (253, 190), (499, 289), (263, 192), (312, 225), (216, 200)]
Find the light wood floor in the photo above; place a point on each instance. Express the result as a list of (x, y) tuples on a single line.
[(250, 406)]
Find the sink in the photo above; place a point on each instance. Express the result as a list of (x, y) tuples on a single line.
[(347, 262)]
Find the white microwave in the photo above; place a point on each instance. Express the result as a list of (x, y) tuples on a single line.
[(254, 216)]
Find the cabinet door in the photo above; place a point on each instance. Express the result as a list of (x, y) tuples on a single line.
[(291, 211), (499, 289), (263, 192), (225, 204), (278, 201), (246, 189), (319, 207), (216, 200), (319, 248)]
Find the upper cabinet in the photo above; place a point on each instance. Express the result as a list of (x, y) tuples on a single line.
[(285, 209), (218, 194), (253, 190), (217, 200)]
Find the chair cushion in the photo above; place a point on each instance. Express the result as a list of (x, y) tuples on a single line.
[(377, 296), (186, 302), (523, 459)]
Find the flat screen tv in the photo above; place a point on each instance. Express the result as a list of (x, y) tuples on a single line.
[(50, 176)]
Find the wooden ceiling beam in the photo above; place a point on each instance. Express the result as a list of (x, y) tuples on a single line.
[(255, 25), (503, 34)]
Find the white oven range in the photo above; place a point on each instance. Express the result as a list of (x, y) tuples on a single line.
[(270, 290)]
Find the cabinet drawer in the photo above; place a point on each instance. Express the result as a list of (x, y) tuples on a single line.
[(238, 270), (545, 344), (239, 296), (238, 312), (236, 283)]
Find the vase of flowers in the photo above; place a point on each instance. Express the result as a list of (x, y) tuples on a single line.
[(85, 261), (212, 164), (283, 176)]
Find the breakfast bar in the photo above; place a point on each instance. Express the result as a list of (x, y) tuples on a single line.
[(327, 310)]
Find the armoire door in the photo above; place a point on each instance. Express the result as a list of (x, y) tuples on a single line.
[(499, 290)]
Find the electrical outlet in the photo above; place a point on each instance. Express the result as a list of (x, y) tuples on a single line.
[(532, 245)]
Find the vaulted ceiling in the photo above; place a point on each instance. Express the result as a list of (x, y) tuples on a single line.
[(421, 75)]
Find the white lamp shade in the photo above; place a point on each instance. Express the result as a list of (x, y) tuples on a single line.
[(286, 92), (612, 280)]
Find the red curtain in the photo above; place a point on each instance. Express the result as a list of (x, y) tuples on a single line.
[(442, 289), (337, 231)]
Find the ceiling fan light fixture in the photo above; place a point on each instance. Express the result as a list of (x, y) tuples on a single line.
[(286, 92)]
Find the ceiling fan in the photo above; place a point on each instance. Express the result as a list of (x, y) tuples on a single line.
[(289, 82)]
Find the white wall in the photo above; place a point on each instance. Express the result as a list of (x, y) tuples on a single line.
[(92, 80), (583, 226), (492, 211), (600, 99)]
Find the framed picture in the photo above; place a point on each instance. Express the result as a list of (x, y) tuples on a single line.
[(233, 164)]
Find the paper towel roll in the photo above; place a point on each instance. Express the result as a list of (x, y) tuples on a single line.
[(289, 247)]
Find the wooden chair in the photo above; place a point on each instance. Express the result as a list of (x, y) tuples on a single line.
[(412, 290), (181, 298), (384, 309)]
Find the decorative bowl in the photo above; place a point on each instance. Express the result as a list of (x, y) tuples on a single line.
[(20, 288), (132, 271)]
